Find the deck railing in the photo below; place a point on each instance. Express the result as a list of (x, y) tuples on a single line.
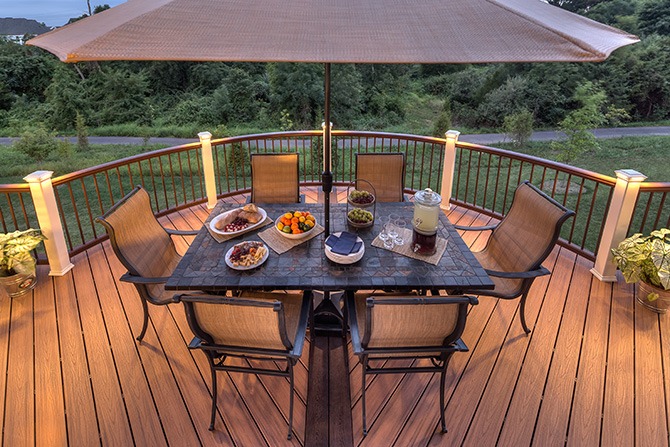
[(484, 180)]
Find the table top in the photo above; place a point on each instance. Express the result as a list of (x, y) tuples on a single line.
[(305, 267)]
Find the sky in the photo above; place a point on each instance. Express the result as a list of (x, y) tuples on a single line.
[(50, 12)]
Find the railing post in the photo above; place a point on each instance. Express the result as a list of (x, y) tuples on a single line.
[(617, 222), (44, 199), (448, 168), (208, 168)]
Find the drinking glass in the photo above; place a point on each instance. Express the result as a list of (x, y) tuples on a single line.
[(400, 225), (392, 229), (384, 234)]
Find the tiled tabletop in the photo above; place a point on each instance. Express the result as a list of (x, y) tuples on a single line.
[(306, 267)]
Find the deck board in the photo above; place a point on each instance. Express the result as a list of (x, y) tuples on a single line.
[(50, 430), (593, 371)]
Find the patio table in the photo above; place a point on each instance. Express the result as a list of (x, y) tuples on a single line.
[(305, 266)]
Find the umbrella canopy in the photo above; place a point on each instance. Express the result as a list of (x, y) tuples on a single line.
[(335, 31), (348, 31)]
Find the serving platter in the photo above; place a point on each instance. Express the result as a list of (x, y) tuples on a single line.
[(212, 223), (230, 264)]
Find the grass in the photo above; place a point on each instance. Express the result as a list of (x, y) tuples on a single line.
[(648, 155)]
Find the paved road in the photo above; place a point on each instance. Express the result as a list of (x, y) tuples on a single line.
[(484, 139)]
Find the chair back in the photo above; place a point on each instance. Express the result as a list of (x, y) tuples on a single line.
[(275, 178), (138, 239), (527, 234), (243, 323), (385, 171), (413, 322)]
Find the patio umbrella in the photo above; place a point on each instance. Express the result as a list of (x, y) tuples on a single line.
[(335, 31)]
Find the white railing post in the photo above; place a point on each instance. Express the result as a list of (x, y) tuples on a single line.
[(44, 199), (448, 168), (617, 222), (208, 168)]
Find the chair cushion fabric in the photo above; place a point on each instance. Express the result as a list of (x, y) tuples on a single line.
[(249, 326), (274, 178), (385, 171)]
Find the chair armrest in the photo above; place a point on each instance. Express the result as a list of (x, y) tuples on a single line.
[(467, 228), (353, 323), (127, 277), (519, 275), (302, 327), (172, 232)]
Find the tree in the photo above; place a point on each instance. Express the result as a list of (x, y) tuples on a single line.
[(65, 97), (578, 123), (654, 18), (519, 127), (298, 89)]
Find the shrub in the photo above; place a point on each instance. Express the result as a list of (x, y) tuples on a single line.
[(518, 127), (443, 122), (37, 143), (82, 133)]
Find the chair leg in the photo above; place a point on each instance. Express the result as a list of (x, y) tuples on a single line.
[(443, 376), (364, 364), (522, 313), (214, 392), (145, 322), (290, 405)]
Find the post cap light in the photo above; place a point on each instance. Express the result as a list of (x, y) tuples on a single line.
[(452, 134), (630, 175), (205, 136), (38, 176)]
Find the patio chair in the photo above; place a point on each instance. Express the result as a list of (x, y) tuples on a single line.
[(275, 178), (409, 327), (263, 326), (144, 247), (386, 172), (520, 242)]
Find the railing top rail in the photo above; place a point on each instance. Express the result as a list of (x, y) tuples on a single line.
[(122, 162), (15, 187), (269, 135), (363, 133), (601, 178), (656, 186)]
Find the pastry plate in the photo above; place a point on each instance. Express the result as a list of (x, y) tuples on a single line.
[(246, 267), (212, 223)]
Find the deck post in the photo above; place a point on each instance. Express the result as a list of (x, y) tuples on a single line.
[(448, 168), (617, 222), (208, 168), (44, 199)]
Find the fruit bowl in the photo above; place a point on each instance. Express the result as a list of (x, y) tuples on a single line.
[(360, 218), (361, 198), (295, 224)]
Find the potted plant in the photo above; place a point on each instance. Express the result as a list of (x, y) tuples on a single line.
[(646, 260), (17, 265)]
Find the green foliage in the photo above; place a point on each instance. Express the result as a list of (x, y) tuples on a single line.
[(64, 149), (654, 17), (577, 124), (645, 258), (15, 250), (119, 96), (65, 96), (509, 97), (82, 133), (443, 122), (519, 127), (298, 89), (617, 13), (37, 143)]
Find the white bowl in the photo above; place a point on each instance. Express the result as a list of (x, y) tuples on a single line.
[(291, 235), (345, 259)]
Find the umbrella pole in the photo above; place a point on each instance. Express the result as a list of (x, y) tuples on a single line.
[(326, 176), (328, 319)]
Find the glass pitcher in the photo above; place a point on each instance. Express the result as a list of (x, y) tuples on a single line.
[(424, 224)]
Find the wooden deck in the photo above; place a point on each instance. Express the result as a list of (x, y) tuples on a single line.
[(592, 371)]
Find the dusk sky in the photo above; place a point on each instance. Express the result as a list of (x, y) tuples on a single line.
[(51, 12)]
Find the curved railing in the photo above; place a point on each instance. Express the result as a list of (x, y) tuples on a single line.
[(484, 180)]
